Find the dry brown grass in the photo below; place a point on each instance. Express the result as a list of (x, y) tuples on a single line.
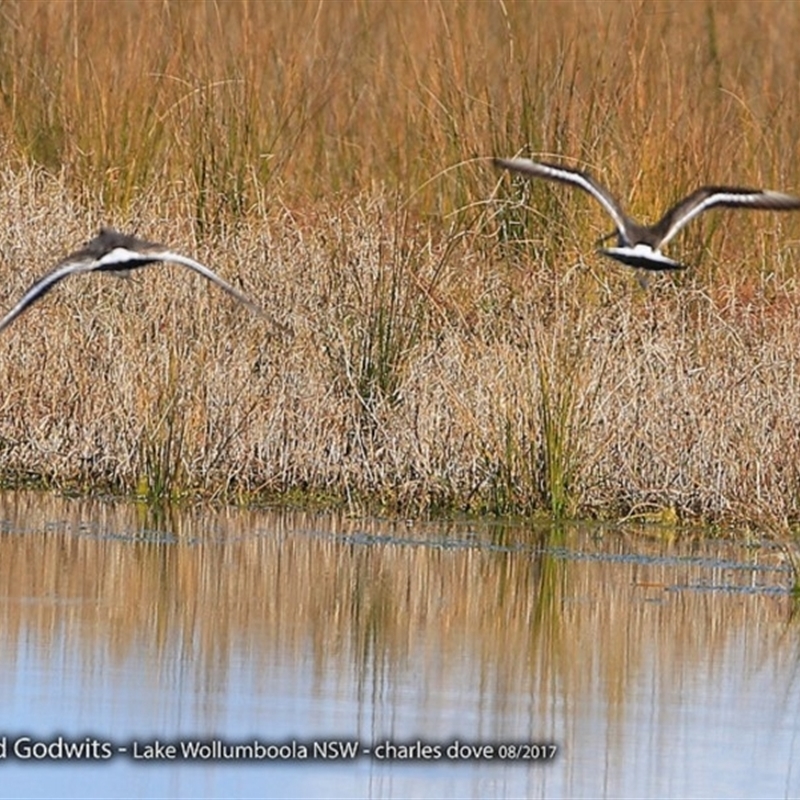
[(455, 342)]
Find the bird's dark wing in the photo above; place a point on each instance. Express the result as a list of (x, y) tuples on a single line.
[(112, 251), (583, 180), (77, 262), (719, 196)]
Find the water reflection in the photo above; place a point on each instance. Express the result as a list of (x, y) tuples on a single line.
[(658, 667)]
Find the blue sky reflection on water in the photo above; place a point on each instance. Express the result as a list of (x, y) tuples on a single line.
[(245, 626)]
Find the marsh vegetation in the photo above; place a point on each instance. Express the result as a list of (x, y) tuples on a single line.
[(453, 341)]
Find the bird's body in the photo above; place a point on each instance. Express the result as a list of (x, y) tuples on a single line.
[(112, 251), (640, 245)]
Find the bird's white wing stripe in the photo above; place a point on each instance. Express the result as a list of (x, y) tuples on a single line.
[(120, 259), (580, 180), (44, 285), (121, 256), (168, 255), (746, 199)]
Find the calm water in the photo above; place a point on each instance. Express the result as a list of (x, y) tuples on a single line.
[(656, 667)]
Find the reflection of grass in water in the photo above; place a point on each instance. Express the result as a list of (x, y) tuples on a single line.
[(386, 615)]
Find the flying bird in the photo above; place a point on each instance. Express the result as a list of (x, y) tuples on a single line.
[(640, 245), (112, 251)]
